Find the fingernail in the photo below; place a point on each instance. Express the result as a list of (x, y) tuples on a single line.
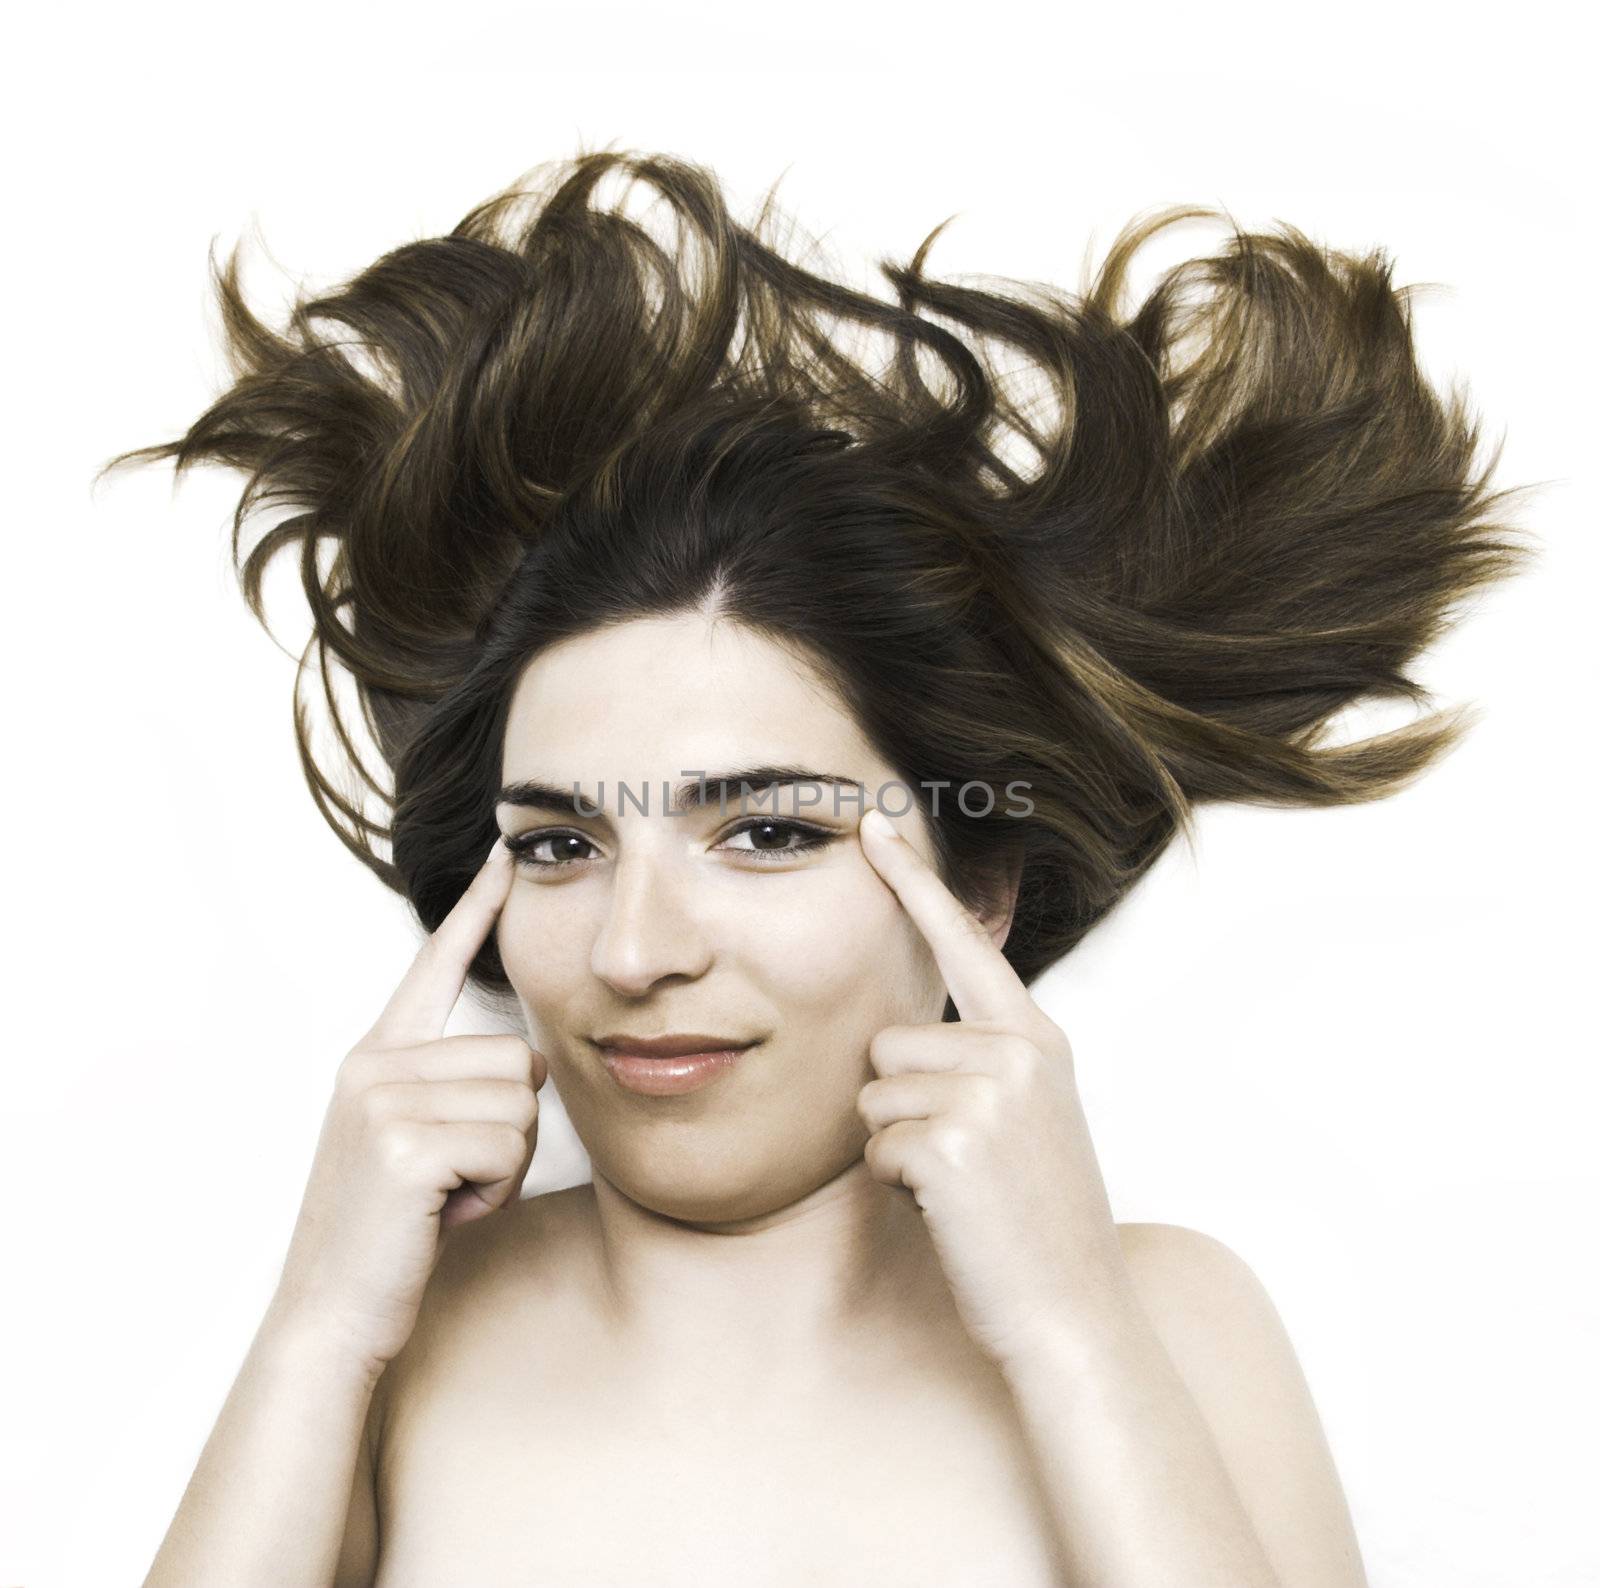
[(875, 821)]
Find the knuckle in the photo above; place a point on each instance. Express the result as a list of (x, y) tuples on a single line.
[(1018, 1053), (1045, 1032), (512, 1054), (521, 1102), (513, 1143), (355, 1072), (887, 1040), (400, 1146), (984, 1098), (948, 1144), (880, 1163)]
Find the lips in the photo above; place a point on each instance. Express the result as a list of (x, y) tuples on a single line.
[(666, 1066), (672, 1046)]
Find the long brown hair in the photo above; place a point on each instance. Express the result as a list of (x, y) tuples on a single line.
[(1150, 582)]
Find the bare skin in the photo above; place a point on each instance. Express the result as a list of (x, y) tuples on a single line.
[(740, 1364), (735, 1358), (853, 1312), (527, 1434)]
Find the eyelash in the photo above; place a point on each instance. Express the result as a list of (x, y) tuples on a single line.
[(523, 844)]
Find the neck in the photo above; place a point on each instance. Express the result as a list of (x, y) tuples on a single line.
[(849, 1265)]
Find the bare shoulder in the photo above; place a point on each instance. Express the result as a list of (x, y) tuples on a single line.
[(1208, 1305), (1164, 1249), (1233, 1353)]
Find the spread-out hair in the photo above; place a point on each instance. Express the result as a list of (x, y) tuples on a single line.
[(1147, 578)]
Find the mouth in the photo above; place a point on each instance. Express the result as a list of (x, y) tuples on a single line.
[(667, 1066), (673, 1046)]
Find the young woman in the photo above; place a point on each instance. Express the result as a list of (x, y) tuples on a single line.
[(804, 718)]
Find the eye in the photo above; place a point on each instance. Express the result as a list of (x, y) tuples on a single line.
[(523, 845), (770, 840), (810, 838)]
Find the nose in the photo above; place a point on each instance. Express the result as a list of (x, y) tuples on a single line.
[(650, 930)]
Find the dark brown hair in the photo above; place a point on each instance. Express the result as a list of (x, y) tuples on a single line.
[(1245, 509)]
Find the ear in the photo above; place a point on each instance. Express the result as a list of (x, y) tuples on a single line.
[(1001, 885)]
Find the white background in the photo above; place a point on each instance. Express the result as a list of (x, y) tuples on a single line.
[(1352, 1044)]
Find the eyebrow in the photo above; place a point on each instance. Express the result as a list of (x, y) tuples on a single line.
[(714, 787)]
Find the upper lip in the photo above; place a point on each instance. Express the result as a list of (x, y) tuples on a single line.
[(671, 1046)]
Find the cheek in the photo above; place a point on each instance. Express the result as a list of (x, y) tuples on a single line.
[(839, 955), (542, 951)]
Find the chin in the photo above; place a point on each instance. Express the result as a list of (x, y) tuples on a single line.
[(681, 1180)]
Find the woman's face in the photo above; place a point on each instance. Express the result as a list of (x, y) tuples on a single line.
[(655, 924)]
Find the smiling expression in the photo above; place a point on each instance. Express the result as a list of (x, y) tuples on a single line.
[(757, 919)]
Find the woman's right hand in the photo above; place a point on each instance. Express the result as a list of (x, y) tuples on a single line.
[(424, 1132)]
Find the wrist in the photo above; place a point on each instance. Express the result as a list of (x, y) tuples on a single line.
[(1076, 1343), (307, 1344)]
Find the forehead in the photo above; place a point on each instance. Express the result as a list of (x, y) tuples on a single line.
[(655, 698)]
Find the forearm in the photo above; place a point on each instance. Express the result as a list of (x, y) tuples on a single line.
[(1136, 1487), (269, 1498)]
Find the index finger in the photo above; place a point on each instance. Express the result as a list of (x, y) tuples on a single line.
[(420, 1005), (979, 977)]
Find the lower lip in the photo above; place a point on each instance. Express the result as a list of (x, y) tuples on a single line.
[(684, 1072)]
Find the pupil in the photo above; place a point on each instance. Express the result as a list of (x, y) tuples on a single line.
[(769, 827)]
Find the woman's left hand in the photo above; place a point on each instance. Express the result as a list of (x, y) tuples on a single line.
[(980, 1120)]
